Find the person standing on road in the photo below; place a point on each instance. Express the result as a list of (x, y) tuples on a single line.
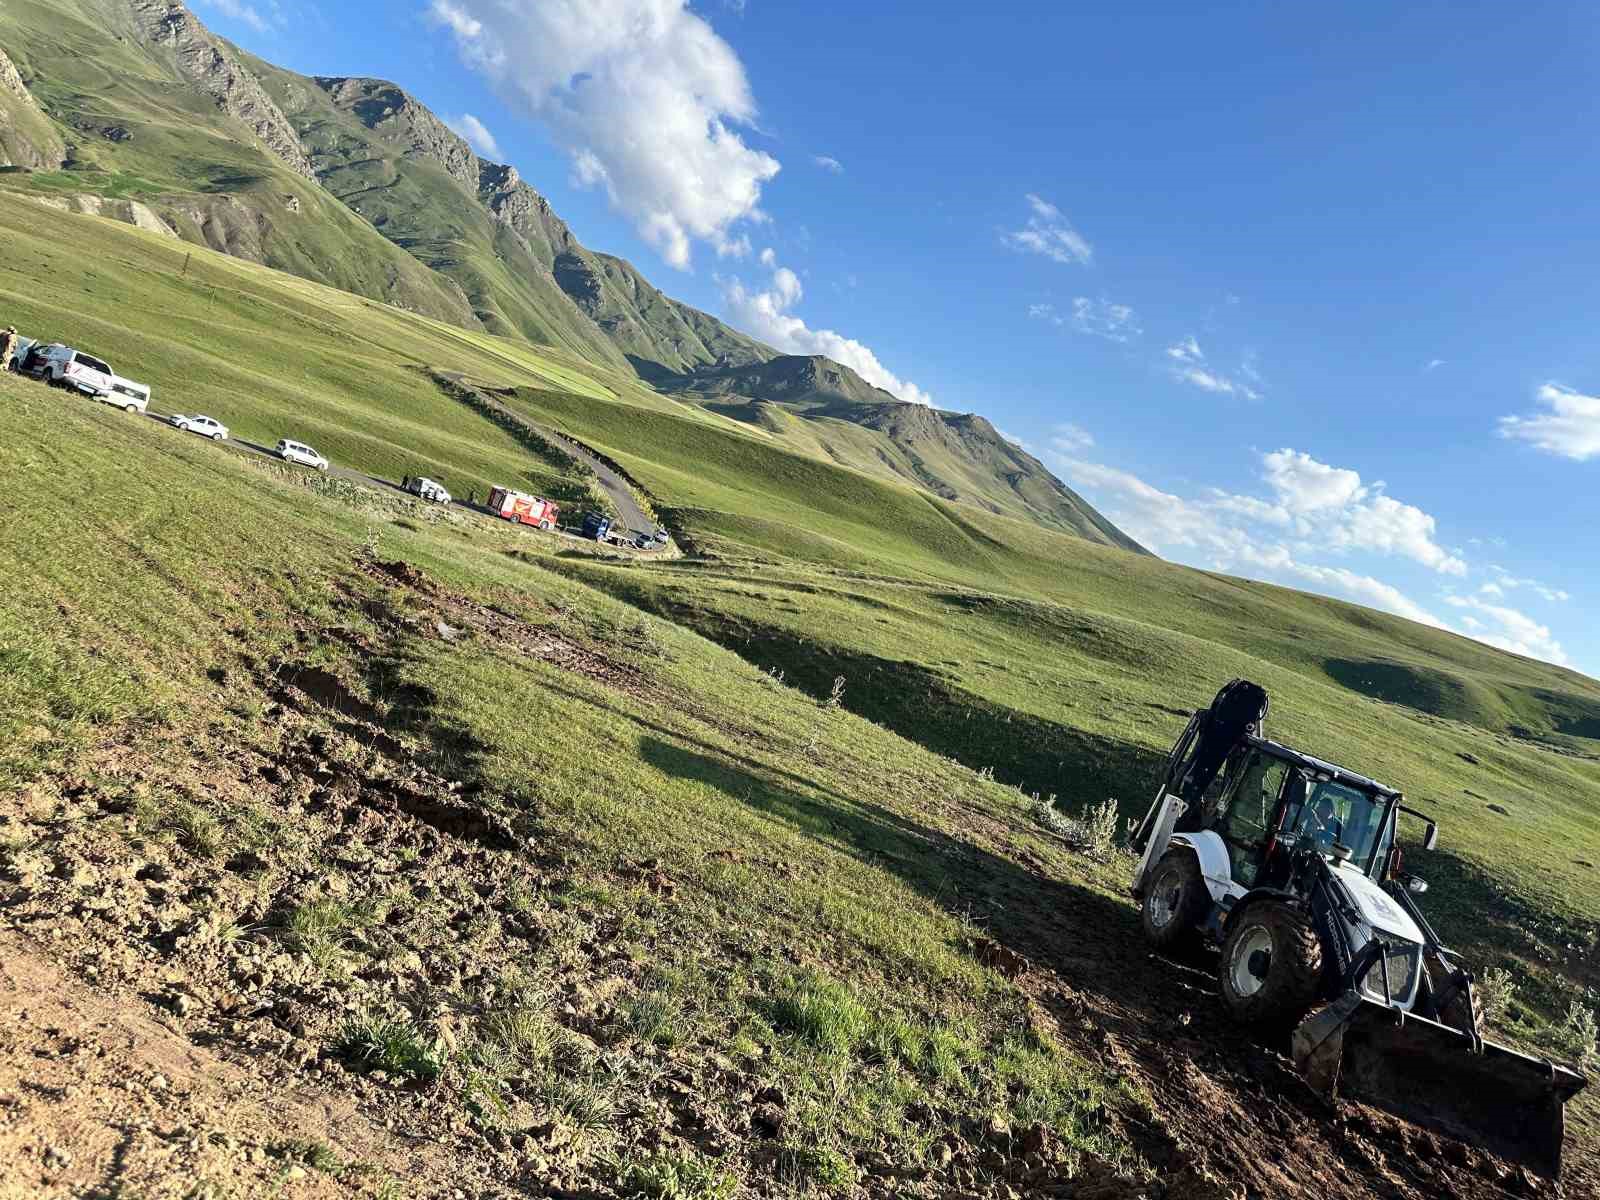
[(8, 344)]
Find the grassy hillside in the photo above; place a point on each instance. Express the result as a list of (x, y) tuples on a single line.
[(138, 127), (573, 844)]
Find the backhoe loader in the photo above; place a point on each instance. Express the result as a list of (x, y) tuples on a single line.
[(1292, 866)]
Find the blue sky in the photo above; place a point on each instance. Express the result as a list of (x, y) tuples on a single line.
[(1303, 293)]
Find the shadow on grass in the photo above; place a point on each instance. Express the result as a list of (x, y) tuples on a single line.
[(1039, 756)]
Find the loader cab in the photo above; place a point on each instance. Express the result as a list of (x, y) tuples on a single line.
[(1276, 801)]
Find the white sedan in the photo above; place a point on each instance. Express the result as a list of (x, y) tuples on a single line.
[(205, 426), (299, 452)]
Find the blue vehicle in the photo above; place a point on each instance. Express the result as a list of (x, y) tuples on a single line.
[(596, 526)]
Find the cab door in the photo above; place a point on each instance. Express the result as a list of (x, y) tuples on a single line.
[(1249, 814)]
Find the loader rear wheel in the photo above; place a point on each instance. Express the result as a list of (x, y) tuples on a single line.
[(1271, 965), (1175, 899)]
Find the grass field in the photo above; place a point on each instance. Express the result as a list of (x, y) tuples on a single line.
[(778, 873)]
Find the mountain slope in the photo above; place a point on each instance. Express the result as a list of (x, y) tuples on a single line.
[(135, 99), (354, 183), (378, 149), (817, 404)]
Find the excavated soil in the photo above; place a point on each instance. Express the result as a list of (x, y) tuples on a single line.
[(164, 1036)]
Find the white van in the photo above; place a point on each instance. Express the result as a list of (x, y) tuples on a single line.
[(63, 366), (299, 452), (427, 489)]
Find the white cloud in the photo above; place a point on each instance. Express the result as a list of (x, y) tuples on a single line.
[(644, 96), (1098, 318), (1511, 630), (1390, 527), (1571, 429), (1192, 368), (240, 12), (1505, 581), (1305, 485), (828, 163), (766, 314), (1049, 234), (1069, 439), (1166, 522), (1186, 351), (476, 134), (1334, 506), (1102, 318), (1433, 365), (1322, 509)]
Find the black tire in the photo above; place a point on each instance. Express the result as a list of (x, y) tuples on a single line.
[(1175, 899), (1271, 967), (1461, 1010), (216, 437)]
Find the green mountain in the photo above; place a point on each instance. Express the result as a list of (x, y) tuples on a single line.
[(133, 110), (831, 411)]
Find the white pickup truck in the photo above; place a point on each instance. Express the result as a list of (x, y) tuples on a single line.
[(63, 366)]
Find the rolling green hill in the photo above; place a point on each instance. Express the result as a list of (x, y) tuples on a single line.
[(634, 783)]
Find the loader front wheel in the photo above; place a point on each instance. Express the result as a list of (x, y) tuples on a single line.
[(1271, 965), (1175, 899)]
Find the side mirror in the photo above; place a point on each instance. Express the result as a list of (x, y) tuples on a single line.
[(1416, 886), (1430, 840)]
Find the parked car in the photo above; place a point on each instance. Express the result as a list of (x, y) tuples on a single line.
[(596, 525), (523, 508), (63, 366), (427, 489), (299, 452), (205, 426), (22, 354)]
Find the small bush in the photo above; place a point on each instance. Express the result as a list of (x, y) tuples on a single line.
[(1578, 1035), (1495, 992), (836, 696), (392, 1045), (1094, 832)]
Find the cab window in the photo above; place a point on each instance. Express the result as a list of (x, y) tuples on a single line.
[(1245, 821)]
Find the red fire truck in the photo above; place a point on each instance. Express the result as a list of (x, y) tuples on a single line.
[(523, 508)]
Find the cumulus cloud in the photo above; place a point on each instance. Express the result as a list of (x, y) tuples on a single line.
[(766, 313), (1304, 485), (476, 134), (643, 95), (828, 163), (1189, 365), (1570, 428), (1217, 533), (1049, 234), (239, 11)]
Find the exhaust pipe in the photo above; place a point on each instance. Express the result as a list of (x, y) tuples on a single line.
[(1440, 1078)]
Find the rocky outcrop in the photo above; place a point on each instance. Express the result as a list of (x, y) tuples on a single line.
[(211, 64), (27, 138), (129, 212), (396, 117)]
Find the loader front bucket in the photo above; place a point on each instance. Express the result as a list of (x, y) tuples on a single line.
[(1490, 1096)]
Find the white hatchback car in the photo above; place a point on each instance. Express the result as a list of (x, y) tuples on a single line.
[(205, 426), (299, 452)]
